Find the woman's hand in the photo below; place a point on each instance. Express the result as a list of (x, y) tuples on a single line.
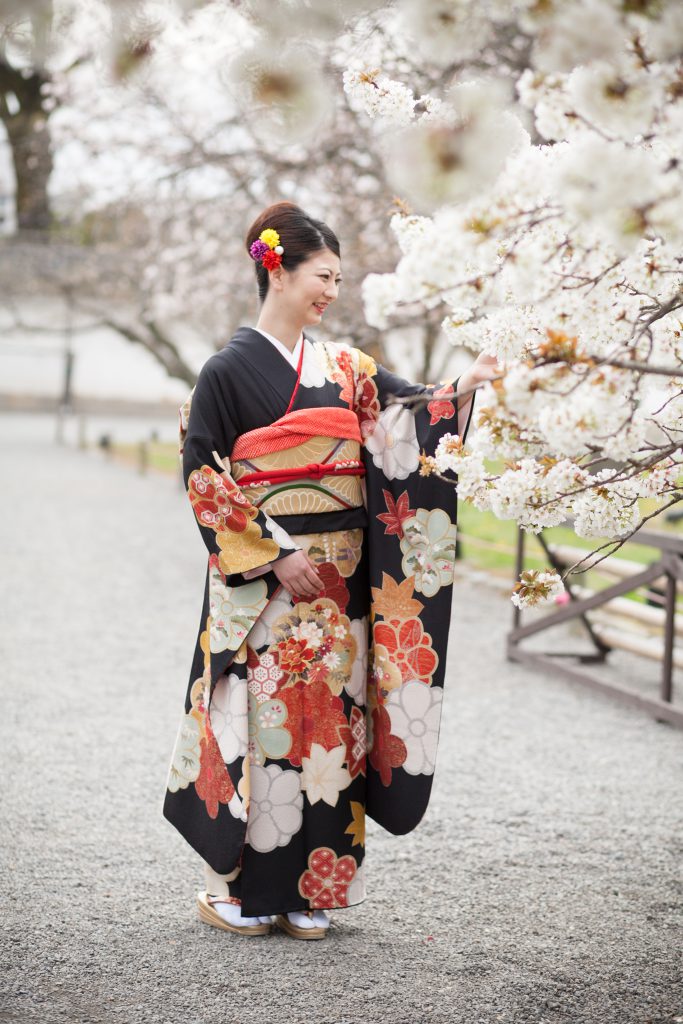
[(298, 574), (483, 368)]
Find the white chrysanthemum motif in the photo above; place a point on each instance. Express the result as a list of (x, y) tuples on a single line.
[(228, 715), (393, 443), (415, 713), (275, 808)]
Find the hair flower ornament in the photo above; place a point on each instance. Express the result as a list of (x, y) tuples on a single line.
[(267, 249)]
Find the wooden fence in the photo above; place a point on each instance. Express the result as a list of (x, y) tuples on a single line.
[(656, 627)]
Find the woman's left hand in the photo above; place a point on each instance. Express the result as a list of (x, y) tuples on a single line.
[(483, 368)]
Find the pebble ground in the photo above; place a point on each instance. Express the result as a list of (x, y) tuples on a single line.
[(543, 885)]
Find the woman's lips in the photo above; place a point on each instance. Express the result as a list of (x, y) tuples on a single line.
[(320, 308)]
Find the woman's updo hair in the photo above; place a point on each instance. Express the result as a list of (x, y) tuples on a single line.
[(300, 236)]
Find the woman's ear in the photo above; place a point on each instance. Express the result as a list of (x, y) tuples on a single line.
[(276, 278)]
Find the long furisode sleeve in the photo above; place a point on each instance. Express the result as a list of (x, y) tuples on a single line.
[(239, 535), (411, 559)]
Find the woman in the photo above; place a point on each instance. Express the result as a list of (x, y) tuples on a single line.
[(315, 692)]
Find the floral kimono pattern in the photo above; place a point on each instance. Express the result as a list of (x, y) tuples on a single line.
[(305, 714)]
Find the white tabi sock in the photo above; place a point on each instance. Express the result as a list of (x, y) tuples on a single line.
[(232, 913), (301, 920)]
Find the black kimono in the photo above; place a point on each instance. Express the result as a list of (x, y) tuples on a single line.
[(303, 715)]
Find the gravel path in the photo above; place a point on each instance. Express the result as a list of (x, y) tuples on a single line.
[(543, 885)]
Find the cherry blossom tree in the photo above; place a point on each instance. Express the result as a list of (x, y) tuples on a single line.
[(170, 125), (548, 231)]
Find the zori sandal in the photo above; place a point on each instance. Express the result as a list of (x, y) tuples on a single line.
[(210, 916), (297, 932)]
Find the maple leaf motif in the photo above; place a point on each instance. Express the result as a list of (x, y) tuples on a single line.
[(395, 600), (345, 377), (441, 410), (397, 512)]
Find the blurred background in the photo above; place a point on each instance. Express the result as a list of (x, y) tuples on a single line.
[(137, 143)]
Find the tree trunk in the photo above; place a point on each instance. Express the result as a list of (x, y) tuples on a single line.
[(29, 139)]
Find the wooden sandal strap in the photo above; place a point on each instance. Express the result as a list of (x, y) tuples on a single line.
[(223, 899)]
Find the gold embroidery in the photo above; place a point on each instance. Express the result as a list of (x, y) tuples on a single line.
[(330, 493), (243, 551)]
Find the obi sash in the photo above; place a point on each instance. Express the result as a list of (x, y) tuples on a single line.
[(307, 461)]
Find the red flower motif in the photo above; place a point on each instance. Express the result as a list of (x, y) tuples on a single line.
[(334, 586), (410, 648), (353, 735), (294, 655), (388, 751), (213, 785), (318, 672), (366, 404), (219, 503), (443, 410), (314, 715), (397, 512), (325, 884)]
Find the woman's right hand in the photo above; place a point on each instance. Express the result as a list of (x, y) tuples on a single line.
[(298, 574)]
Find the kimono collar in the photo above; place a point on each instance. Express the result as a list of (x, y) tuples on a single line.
[(291, 356), (268, 362)]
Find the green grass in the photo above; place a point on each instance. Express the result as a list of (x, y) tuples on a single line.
[(162, 457), (479, 528)]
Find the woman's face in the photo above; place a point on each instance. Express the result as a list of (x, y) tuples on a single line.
[(308, 290)]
